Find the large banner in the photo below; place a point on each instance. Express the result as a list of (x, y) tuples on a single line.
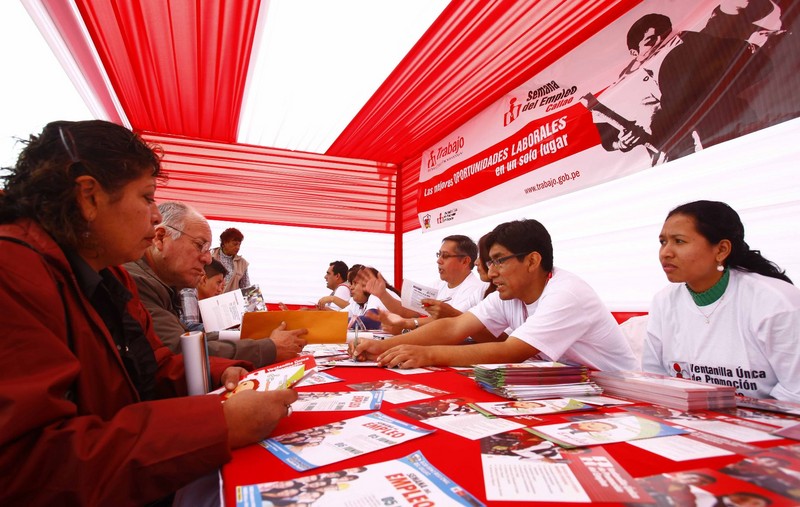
[(663, 81)]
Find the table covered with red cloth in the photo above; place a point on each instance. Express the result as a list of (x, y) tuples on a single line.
[(455, 456)]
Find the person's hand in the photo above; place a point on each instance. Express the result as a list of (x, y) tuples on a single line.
[(629, 139), (323, 302), (406, 356), (375, 285), (287, 343), (251, 415), (366, 349), (231, 377), (283, 307), (439, 309), (391, 322)]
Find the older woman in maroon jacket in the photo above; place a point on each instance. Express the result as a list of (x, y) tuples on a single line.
[(92, 404)]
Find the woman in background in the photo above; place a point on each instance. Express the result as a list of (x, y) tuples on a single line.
[(93, 405), (735, 317), (227, 253)]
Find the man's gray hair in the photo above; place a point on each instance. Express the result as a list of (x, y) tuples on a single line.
[(174, 215)]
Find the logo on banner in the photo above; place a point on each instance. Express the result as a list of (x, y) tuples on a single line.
[(426, 221), (446, 216), (445, 152), (512, 113)]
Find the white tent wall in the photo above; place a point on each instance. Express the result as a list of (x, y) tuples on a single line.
[(608, 234), (289, 263)]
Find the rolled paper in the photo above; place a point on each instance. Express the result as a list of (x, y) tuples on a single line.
[(195, 359)]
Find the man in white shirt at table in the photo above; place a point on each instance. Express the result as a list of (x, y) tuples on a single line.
[(458, 291), (336, 281), (553, 314)]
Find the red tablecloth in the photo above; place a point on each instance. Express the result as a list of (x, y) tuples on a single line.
[(455, 456)]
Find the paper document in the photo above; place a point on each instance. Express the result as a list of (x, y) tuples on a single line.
[(223, 311), (413, 293)]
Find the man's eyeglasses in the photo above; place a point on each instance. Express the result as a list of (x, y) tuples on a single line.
[(201, 246), (445, 255), (500, 260)]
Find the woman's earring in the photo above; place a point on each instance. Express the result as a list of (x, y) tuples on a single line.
[(720, 268)]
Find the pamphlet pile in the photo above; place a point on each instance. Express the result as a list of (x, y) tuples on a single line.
[(535, 380), (678, 393)]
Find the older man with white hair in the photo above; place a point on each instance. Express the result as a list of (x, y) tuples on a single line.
[(175, 261)]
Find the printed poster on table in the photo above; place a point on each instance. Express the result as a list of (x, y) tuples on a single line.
[(408, 481), (399, 391), (664, 80), (740, 430), (776, 469), (330, 401), (520, 466), (516, 408), (707, 487), (457, 416), (338, 441), (604, 431)]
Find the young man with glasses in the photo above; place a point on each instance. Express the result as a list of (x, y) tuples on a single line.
[(553, 315), (176, 260)]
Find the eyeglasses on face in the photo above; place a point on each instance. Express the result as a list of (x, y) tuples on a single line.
[(497, 262), (445, 255), (201, 246)]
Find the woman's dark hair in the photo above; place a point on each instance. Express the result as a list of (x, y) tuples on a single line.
[(42, 184), (377, 274), (353, 272), (229, 234), (483, 254), (716, 221)]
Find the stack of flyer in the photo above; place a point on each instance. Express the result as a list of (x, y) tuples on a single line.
[(672, 392), (535, 380)]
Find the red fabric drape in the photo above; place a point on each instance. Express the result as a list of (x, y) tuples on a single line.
[(265, 185), (177, 66), (472, 54)]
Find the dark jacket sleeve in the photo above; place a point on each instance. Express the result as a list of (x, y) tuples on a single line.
[(169, 327)]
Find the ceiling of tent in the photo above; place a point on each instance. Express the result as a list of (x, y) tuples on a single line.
[(203, 69)]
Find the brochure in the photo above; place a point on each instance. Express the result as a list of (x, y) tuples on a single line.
[(399, 391), (456, 416), (539, 407), (275, 376), (338, 441), (604, 431), (520, 466), (776, 469), (337, 401), (786, 407), (408, 481), (317, 378), (705, 486)]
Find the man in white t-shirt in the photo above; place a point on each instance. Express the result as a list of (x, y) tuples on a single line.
[(336, 281), (554, 315), (458, 290)]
